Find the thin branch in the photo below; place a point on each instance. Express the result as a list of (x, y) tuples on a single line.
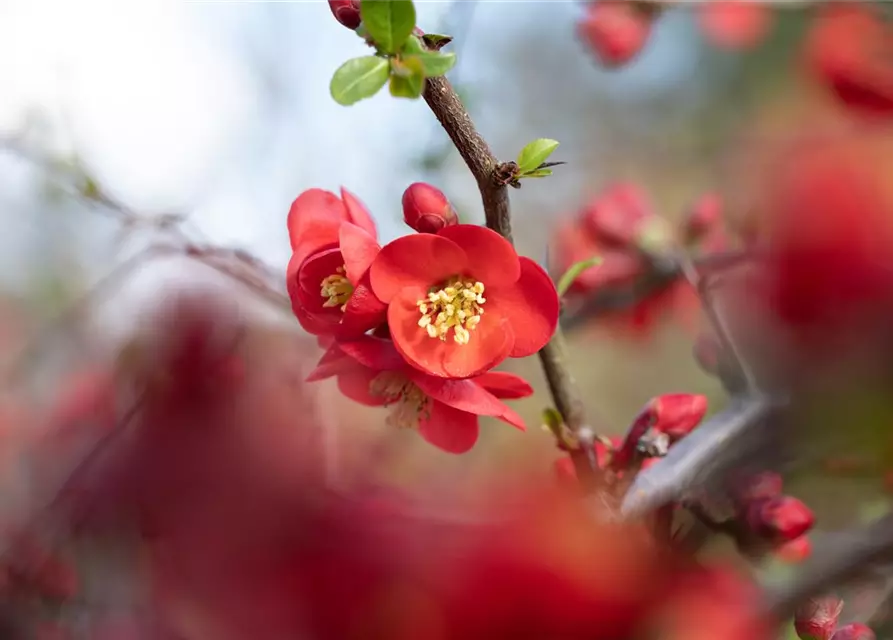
[(848, 560), (486, 169)]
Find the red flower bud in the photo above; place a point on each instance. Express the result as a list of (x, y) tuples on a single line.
[(676, 414), (782, 518), (795, 551), (735, 25), (854, 631), (817, 618), (615, 31), (426, 209), (702, 218), (347, 12)]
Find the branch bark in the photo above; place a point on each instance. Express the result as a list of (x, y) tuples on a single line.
[(486, 169)]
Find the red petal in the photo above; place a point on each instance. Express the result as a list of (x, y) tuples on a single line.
[(735, 25), (317, 234), (449, 429), (464, 395), (363, 311), (491, 340), (312, 204), (509, 416), (421, 260), (309, 322), (357, 213), (531, 307), (491, 258), (326, 368), (315, 269), (355, 385), (374, 353), (676, 414), (505, 385), (358, 248)]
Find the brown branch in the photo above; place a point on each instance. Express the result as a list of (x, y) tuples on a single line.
[(490, 176)]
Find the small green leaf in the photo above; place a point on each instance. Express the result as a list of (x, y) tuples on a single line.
[(412, 46), (436, 64), (407, 78), (358, 78), (537, 173), (574, 271), (436, 41), (389, 22), (535, 153)]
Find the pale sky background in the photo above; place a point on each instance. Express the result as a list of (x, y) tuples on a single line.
[(222, 109)]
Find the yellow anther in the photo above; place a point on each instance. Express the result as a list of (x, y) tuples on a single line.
[(456, 306), (408, 404), (337, 289)]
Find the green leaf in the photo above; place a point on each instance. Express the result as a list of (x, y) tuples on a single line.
[(436, 41), (389, 22), (412, 46), (574, 271), (535, 153), (436, 64), (537, 173), (358, 78), (407, 78), (410, 87)]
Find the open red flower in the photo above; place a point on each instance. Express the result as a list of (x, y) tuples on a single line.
[(461, 301), (445, 412), (334, 243)]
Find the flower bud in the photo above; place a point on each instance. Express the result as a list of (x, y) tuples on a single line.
[(426, 209), (702, 218), (795, 551), (781, 518), (615, 31), (676, 414), (817, 618), (347, 12), (854, 631)]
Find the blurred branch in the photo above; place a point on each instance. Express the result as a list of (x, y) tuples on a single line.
[(485, 168), (847, 559)]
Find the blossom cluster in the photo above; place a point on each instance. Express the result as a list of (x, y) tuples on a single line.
[(638, 250), (419, 324), (848, 48)]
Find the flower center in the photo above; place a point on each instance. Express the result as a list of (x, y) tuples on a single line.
[(408, 404), (337, 289), (457, 306)]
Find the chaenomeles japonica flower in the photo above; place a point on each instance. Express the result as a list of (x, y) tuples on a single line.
[(333, 242), (445, 412), (461, 301)]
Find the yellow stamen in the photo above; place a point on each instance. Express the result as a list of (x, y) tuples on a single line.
[(457, 306), (408, 404), (337, 289)]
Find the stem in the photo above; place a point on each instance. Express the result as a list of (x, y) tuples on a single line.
[(863, 548), (452, 115)]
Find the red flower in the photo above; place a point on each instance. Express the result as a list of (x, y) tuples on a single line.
[(817, 618), (615, 31), (618, 267), (445, 412), (735, 25), (334, 243), (851, 49), (461, 301), (783, 518), (619, 215)]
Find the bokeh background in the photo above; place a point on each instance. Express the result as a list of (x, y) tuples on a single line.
[(220, 112)]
